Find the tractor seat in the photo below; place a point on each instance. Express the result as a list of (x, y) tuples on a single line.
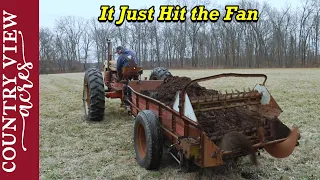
[(131, 72)]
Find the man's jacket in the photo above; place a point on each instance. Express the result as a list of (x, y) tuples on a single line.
[(124, 58)]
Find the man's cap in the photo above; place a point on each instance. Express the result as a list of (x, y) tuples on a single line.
[(118, 48)]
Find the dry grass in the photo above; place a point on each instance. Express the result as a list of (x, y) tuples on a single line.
[(71, 148)]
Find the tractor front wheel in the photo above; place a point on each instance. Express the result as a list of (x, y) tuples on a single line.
[(93, 95), (148, 140)]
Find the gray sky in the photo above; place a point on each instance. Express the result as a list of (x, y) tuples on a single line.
[(51, 10)]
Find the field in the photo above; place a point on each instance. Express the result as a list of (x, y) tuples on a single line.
[(71, 148)]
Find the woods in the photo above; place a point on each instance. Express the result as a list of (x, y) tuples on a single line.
[(282, 38)]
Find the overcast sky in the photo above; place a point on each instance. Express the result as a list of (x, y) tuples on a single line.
[(51, 10)]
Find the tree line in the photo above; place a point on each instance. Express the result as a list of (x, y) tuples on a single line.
[(282, 38)]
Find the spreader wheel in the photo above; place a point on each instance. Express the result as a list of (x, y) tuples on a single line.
[(159, 73), (93, 95), (148, 140)]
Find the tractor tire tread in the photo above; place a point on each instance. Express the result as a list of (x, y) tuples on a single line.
[(96, 94), (160, 73), (154, 138)]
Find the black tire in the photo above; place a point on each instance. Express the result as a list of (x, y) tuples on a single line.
[(93, 95), (148, 140), (159, 73)]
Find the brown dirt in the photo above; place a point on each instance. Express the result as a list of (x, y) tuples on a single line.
[(235, 140), (166, 92), (224, 120)]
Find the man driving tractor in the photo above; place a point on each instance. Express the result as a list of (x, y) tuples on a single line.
[(127, 58)]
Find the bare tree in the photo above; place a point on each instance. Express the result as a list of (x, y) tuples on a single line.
[(86, 44), (281, 38)]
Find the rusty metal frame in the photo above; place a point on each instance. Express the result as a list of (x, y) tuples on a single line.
[(210, 154), (165, 107), (184, 90)]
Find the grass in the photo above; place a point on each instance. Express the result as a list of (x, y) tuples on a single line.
[(71, 148)]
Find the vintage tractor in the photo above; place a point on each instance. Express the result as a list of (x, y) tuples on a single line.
[(157, 124), (96, 87)]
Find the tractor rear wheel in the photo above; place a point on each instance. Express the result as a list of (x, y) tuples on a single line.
[(159, 73), (148, 140), (93, 95)]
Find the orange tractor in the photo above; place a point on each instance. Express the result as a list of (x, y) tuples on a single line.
[(177, 127)]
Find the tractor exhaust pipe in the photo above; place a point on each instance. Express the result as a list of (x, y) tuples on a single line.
[(109, 50), (109, 53)]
